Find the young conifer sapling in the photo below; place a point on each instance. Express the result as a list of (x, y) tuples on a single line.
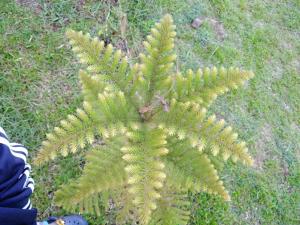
[(157, 140)]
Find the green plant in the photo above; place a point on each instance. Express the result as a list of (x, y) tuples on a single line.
[(147, 132)]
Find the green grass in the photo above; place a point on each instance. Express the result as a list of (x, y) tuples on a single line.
[(39, 86)]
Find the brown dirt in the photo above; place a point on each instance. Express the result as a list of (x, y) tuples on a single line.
[(214, 23), (196, 23), (122, 45), (36, 7), (79, 5), (296, 128), (112, 2), (296, 64), (277, 70), (31, 4), (218, 28), (54, 87), (262, 145)]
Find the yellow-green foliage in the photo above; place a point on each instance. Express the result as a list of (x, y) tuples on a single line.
[(159, 142)]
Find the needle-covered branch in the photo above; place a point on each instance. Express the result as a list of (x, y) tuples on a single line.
[(205, 85)]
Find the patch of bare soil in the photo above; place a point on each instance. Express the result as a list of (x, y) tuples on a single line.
[(122, 45), (296, 128), (296, 64), (79, 5), (111, 2), (36, 7), (54, 87), (265, 146), (31, 4), (277, 70), (262, 146), (218, 27), (215, 24)]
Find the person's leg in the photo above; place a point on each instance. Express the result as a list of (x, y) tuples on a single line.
[(16, 186)]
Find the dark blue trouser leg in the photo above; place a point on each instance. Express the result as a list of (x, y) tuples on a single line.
[(16, 186)]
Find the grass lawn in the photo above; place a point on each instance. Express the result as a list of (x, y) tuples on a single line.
[(39, 87)]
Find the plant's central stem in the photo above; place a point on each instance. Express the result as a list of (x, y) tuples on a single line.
[(146, 112)]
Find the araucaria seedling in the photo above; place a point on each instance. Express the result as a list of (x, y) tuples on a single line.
[(157, 141)]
